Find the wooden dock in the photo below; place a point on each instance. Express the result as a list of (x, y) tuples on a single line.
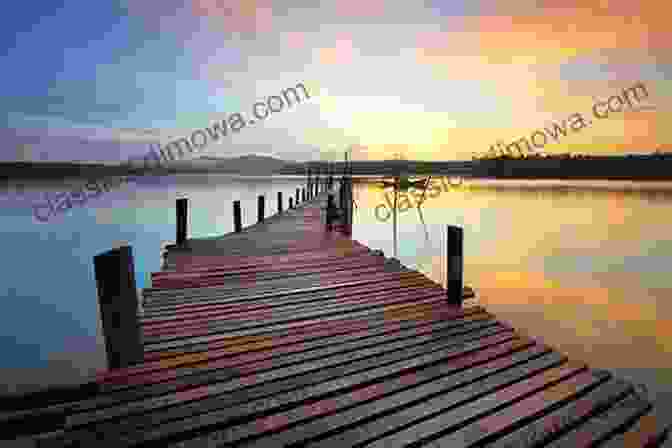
[(287, 335)]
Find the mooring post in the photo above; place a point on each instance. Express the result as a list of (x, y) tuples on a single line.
[(303, 195), (297, 197), (260, 208), (181, 210), (348, 206), (279, 202), (455, 264), (118, 302), (237, 218), (291, 204)]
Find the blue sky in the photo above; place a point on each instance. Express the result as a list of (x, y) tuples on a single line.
[(442, 79)]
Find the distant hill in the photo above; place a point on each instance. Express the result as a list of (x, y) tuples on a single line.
[(657, 166), (59, 170), (250, 164)]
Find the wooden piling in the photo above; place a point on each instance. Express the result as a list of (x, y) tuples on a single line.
[(237, 218), (260, 208), (279, 202), (455, 265), (297, 197), (181, 208), (303, 195), (118, 302), (291, 204)]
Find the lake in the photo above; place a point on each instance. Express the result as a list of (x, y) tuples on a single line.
[(583, 266)]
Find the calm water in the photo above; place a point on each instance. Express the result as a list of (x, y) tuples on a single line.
[(582, 266)]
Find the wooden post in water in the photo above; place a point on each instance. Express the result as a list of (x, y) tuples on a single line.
[(118, 302), (279, 202), (260, 208), (303, 195), (291, 204), (297, 197), (348, 206), (237, 218), (181, 210), (455, 266)]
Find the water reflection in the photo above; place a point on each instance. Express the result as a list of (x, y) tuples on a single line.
[(584, 266)]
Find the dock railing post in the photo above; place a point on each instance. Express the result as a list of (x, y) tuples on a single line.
[(455, 264), (118, 302), (181, 217), (279, 202), (291, 204), (348, 206), (260, 208), (237, 218)]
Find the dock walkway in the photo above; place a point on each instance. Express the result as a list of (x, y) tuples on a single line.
[(288, 335)]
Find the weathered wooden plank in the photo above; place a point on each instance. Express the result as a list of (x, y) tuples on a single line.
[(374, 313), (57, 411), (293, 300), (258, 247), (212, 360), (310, 281), (247, 375), (298, 263), (253, 278), (295, 286), (370, 319), (603, 425), (254, 400), (197, 262), (285, 318), (268, 302), (317, 390), (541, 431), (191, 378), (233, 274), (205, 263), (651, 429), (357, 406), (547, 387), (252, 282), (195, 321), (516, 414)]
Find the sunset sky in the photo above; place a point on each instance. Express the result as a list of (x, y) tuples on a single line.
[(433, 80)]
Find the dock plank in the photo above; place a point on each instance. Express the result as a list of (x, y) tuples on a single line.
[(288, 335)]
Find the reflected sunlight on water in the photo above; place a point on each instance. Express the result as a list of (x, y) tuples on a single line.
[(582, 266)]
